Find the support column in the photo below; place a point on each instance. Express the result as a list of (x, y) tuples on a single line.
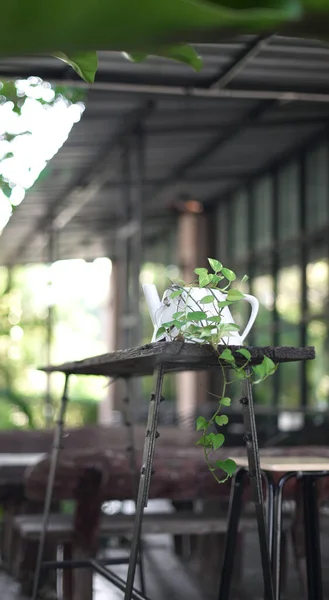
[(106, 415), (192, 253)]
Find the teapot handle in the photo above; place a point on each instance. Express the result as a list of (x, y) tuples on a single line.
[(254, 312)]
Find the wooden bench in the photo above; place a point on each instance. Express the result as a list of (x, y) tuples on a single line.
[(60, 527), (60, 530)]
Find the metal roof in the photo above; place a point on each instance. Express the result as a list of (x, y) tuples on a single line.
[(255, 100)]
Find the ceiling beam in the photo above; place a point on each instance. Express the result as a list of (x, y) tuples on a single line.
[(216, 143), (106, 84), (64, 209), (249, 52)]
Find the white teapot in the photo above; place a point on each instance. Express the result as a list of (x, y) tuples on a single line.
[(163, 311)]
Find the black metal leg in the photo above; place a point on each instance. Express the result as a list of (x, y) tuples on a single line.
[(270, 493), (145, 478), (232, 533), (50, 486), (256, 485), (312, 537), (278, 533), (134, 473), (115, 579)]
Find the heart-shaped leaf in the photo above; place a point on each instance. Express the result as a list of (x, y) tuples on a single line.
[(221, 419)]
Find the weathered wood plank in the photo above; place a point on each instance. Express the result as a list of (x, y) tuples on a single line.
[(61, 527), (175, 356)]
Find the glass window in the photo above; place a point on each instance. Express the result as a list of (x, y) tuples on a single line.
[(262, 213), (289, 202), (222, 238), (289, 287), (289, 373), (238, 225), (317, 278), (317, 205), (317, 370)]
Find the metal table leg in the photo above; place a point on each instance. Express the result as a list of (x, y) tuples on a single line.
[(50, 486), (256, 484), (145, 478), (312, 537)]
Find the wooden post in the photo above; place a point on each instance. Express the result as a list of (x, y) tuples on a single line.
[(86, 525), (107, 406), (192, 251)]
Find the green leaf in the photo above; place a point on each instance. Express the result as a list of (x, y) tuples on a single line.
[(225, 402), (168, 324), (229, 466), (217, 440), (221, 419), (214, 279), (207, 299), (205, 440), (204, 281), (178, 314), (214, 319), (196, 315), (160, 331), (85, 64), (244, 279), (215, 265), (181, 53), (244, 352), (176, 293), (227, 355), (201, 423), (234, 295), (269, 365), (223, 303), (230, 275), (201, 271)]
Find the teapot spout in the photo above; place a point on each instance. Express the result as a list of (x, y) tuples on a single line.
[(152, 300)]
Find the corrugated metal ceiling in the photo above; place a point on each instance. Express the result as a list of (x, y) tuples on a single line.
[(199, 145)]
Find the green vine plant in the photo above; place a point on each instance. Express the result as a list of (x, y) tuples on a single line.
[(202, 326)]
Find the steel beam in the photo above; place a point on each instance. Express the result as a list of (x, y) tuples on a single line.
[(104, 85), (240, 62), (215, 144)]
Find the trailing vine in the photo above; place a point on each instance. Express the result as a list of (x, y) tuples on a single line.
[(203, 327)]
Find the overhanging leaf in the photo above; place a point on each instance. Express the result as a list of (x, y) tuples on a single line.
[(85, 64), (181, 53)]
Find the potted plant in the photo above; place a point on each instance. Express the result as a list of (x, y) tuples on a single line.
[(210, 322)]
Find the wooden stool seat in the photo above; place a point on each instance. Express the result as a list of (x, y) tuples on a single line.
[(287, 464)]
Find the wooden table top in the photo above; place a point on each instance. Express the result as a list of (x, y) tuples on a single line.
[(174, 357)]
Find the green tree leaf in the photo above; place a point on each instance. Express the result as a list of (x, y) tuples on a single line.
[(215, 265), (221, 419), (244, 279), (85, 64), (181, 53), (201, 423)]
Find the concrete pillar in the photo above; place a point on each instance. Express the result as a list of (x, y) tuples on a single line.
[(192, 253), (109, 404)]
